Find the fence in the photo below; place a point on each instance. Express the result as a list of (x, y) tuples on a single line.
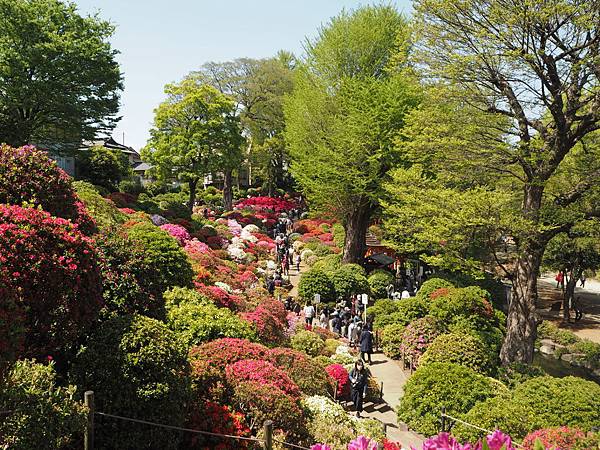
[(267, 441)]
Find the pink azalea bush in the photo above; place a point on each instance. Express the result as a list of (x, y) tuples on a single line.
[(177, 231), (339, 374), (264, 203), (263, 372)]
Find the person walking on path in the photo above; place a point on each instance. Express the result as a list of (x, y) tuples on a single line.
[(366, 344), (582, 279), (309, 313), (560, 279), (359, 378), (298, 260)]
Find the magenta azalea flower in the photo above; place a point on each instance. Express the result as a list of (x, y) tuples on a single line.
[(362, 443), (320, 447)]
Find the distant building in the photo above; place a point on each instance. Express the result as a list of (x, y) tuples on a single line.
[(133, 156)]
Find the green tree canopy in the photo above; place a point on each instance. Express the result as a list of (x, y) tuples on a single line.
[(102, 166), (505, 131), (59, 79), (349, 102), (195, 133)]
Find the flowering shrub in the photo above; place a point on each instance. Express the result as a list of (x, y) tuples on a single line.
[(432, 285), (178, 232), (270, 327), (417, 336), (158, 220), (219, 296), (277, 205), (307, 342), (211, 416), (29, 176), (52, 269), (265, 402), (340, 375), (222, 352), (138, 368), (470, 303), (559, 438), (262, 372), (456, 387), (44, 414)]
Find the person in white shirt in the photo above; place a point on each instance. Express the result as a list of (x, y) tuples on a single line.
[(405, 293), (309, 314)]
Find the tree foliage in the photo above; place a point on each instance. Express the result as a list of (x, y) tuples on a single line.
[(350, 98), (103, 167), (59, 79)]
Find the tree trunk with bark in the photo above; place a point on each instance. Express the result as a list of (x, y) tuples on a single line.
[(193, 184), (227, 190), (521, 324), (357, 224)]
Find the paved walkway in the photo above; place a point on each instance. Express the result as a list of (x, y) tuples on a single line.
[(393, 377)]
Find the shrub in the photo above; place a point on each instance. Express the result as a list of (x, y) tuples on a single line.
[(407, 310), (329, 264), (12, 328), (516, 373), (102, 166), (265, 402), (328, 422), (307, 342), (499, 412), (137, 368), (163, 252), (53, 270), (316, 282), (567, 401), (560, 438), (349, 279), (382, 308), (459, 348), (417, 336), (270, 328), (178, 232), (391, 340), (455, 387), (330, 347), (103, 211), (127, 278), (222, 352), (200, 322), (432, 285), (211, 416), (311, 378), (340, 375), (470, 303), (262, 372), (45, 415), (549, 330), (378, 281), (29, 176)]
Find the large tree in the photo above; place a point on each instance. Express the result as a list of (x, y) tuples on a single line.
[(195, 133), (259, 87), (59, 80), (535, 65), (349, 101)]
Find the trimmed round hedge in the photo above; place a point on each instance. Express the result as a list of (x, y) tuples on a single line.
[(455, 387), (316, 282), (432, 285), (308, 342), (459, 348), (379, 280), (137, 367)]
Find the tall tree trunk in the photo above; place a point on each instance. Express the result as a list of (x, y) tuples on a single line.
[(193, 183), (521, 325), (357, 224), (227, 190)]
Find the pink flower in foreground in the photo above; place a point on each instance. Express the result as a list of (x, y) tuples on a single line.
[(444, 441), (362, 443), (320, 447), (499, 441)]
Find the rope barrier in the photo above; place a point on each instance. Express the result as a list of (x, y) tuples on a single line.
[(171, 427), (474, 426), (291, 445)]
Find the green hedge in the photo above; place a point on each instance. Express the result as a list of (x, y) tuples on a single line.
[(379, 280), (316, 282), (459, 348)]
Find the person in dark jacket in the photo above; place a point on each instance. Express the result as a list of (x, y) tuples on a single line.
[(366, 344), (359, 378)]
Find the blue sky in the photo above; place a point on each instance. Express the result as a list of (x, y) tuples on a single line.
[(162, 40)]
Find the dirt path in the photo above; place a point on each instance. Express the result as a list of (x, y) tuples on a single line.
[(589, 298)]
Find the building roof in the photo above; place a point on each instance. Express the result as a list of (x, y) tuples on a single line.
[(142, 167)]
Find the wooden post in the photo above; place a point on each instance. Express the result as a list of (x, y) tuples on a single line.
[(443, 419), (88, 438), (268, 431)]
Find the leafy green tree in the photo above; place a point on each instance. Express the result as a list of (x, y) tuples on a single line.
[(259, 87), (103, 167), (523, 77), (59, 79), (350, 98), (195, 132)]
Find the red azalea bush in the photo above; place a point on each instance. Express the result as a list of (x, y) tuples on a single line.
[(340, 374), (125, 210), (29, 176), (562, 438), (211, 416), (277, 205), (223, 352), (270, 328), (123, 199), (262, 372), (52, 269), (12, 328)]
